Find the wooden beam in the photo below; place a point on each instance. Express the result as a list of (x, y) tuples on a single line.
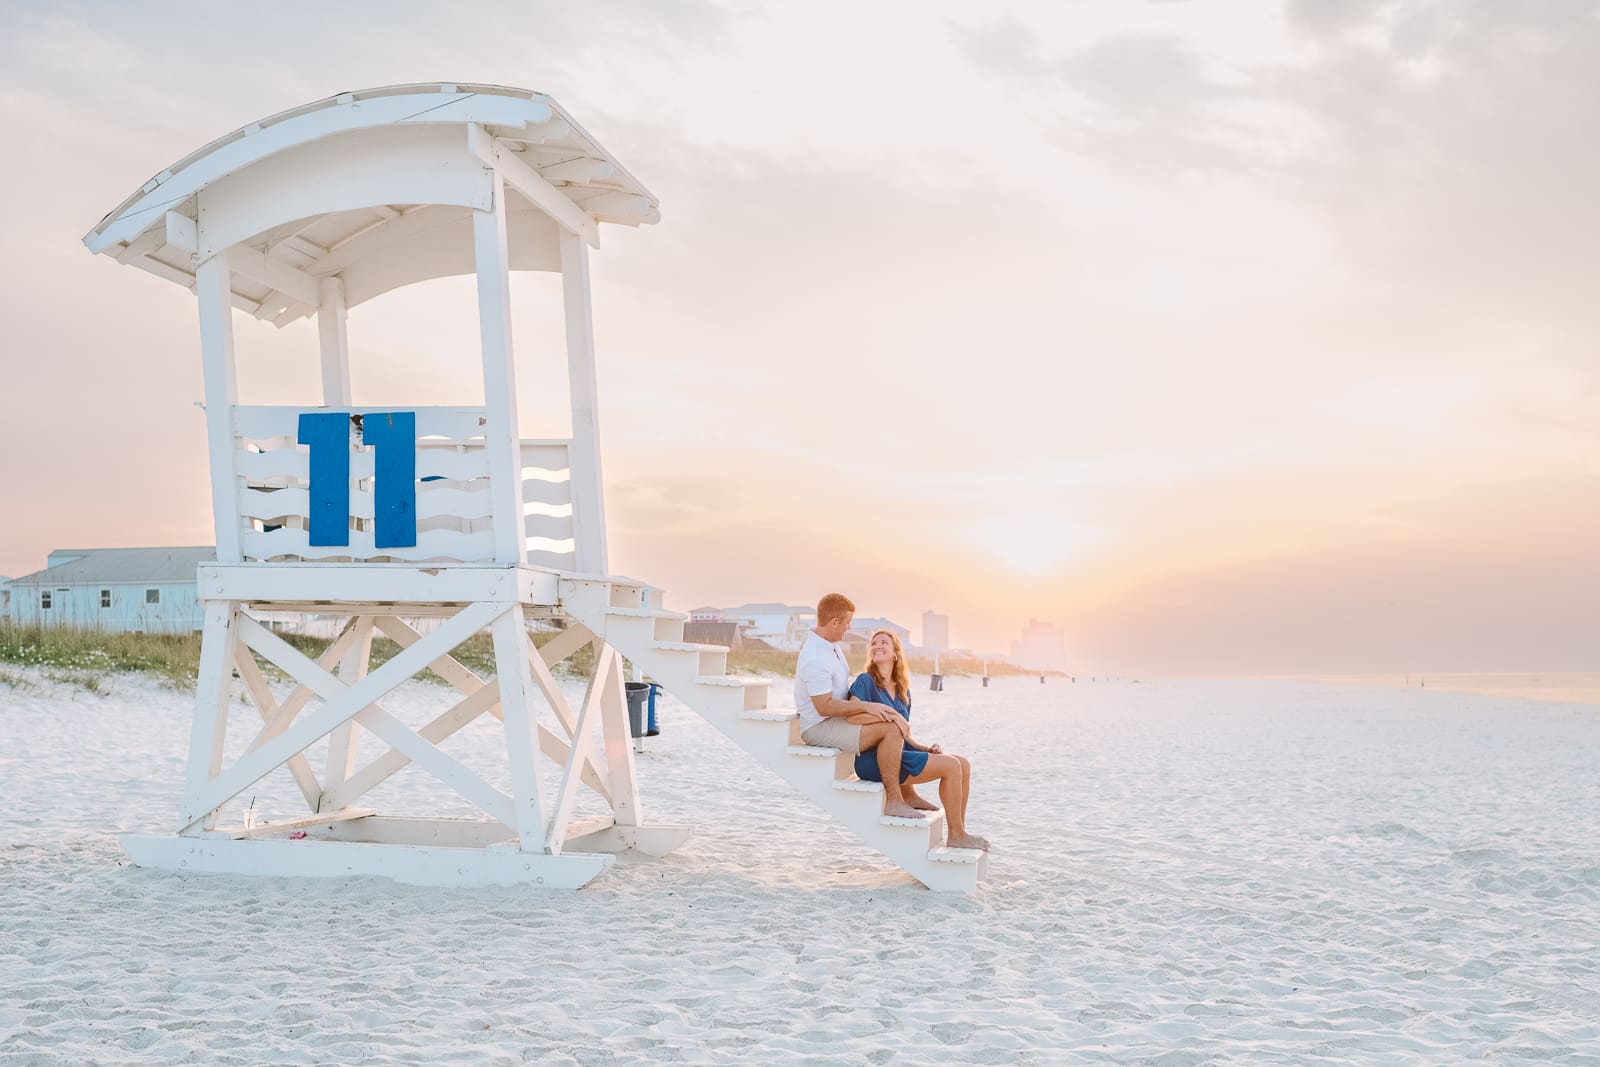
[(516, 710), (625, 803), (582, 171), (152, 240), (551, 745), (486, 698), (583, 454), (538, 134), (334, 342), (478, 692), (559, 752), (344, 743), (568, 791), (501, 440), (301, 695), (212, 697), (181, 231), (375, 583), (356, 246), (283, 826), (447, 666), (215, 297), (255, 683), (165, 271), (295, 243), (533, 187), (616, 204), (275, 273), (566, 643), (274, 306), (456, 775)]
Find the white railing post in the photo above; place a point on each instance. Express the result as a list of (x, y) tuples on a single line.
[(502, 440), (332, 334), (588, 493), (214, 291)]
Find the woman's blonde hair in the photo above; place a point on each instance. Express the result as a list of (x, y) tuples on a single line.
[(899, 682)]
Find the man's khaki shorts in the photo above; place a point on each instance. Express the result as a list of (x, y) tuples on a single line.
[(834, 732)]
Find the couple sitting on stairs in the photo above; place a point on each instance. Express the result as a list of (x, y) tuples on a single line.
[(871, 718)]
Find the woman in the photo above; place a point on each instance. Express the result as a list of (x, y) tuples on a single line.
[(887, 681)]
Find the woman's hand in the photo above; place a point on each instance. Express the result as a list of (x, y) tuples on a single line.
[(934, 750)]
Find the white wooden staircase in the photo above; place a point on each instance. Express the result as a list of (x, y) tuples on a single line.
[(627, 615)]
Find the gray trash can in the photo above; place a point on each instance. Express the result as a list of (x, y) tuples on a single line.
[(638, 697)]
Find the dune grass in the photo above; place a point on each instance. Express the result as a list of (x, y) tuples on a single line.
[(84, 657)]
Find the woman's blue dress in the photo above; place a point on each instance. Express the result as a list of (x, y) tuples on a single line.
[(913, 761)]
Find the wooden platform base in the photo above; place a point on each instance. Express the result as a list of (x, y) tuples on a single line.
[(430, 865), (604, 836)]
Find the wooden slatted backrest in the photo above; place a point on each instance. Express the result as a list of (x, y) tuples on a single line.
[(454, 512)]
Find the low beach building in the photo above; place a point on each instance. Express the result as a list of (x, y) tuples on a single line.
[(779, 625), (147, 590)]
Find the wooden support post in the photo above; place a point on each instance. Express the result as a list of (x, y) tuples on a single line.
[(502, 439), (332, 332), (579, 753), (255, 683), (619, 744), (212, 694), (214, 289), (344, 743), (588, 495), (517, 711)]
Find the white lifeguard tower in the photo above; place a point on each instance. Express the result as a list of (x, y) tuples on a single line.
[(382, 515)]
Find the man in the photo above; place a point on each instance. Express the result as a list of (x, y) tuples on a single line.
[(821, 681)]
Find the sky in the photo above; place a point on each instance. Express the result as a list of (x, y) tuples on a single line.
[(1248, 337)]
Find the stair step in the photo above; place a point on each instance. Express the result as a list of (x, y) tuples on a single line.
[(647, 613), (731, 680), (916, 824), (857, 785), (955, 855), (770, 716), (812, 750)]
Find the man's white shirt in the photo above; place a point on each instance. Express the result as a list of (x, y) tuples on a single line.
[(820, 670)]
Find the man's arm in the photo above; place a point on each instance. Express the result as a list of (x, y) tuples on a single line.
[(830, 706)]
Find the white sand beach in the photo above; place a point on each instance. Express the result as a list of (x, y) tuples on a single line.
[(1245, 872)]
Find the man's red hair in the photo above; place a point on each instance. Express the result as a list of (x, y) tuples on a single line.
[(833, 606)]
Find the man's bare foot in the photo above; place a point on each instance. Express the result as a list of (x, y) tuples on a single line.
[(967, 841), (903, 811), (915, 801)]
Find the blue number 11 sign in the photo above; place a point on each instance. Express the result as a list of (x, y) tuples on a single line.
[(393, 437)]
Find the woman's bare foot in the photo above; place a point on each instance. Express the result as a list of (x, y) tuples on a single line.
[(903, 811), (967, 841), (920, 803)]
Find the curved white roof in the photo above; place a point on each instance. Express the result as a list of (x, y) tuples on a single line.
[(376, 187)]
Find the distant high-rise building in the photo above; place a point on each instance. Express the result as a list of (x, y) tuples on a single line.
[(1042, 647), (935, 632)]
